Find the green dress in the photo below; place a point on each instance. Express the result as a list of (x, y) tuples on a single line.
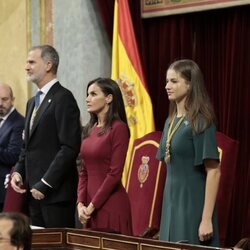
[(184, 191)]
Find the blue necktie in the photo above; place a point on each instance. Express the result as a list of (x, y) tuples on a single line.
[(37, 99)]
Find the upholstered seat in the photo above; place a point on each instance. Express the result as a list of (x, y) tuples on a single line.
[(145, 185), (15, 202), (228, 149)]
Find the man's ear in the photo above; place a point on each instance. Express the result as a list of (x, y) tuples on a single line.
[(49, 65)]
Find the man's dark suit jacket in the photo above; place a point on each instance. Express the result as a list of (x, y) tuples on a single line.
[(10, 146), (52, 146)]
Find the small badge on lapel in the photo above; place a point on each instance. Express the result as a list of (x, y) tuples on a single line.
[(49, 100)]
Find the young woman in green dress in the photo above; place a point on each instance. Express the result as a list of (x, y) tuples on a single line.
[(188, 146)]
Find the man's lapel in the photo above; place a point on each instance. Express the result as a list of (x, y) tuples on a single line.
[(48, 100), (6, 125)]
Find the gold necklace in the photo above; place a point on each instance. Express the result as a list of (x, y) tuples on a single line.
[(171, 132)]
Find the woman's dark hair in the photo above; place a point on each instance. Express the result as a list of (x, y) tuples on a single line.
[(20, 233), (197, 103), (116, 109)]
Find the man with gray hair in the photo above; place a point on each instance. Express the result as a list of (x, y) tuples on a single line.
[(52, 141)]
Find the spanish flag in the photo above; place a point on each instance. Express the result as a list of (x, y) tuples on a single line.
[(128, 73)]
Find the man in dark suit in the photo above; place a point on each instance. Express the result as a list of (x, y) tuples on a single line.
[(11, 128), (51, 144)]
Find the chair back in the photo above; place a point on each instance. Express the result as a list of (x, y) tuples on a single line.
[(228, 149), (145, 183)]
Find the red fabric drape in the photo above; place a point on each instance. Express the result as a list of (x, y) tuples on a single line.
[(107, 13), (219, 41)]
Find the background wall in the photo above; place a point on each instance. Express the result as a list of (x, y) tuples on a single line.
[(83, 46), (13, 48)]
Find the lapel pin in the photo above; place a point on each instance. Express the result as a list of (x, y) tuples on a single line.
[(49, 100)]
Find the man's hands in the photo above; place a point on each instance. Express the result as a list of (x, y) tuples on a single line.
[(17, 183), (37, 195)]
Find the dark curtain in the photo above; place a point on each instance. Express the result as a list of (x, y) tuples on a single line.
[(219, 41)]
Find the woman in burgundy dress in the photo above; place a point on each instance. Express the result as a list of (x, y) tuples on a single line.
[(103, 203)]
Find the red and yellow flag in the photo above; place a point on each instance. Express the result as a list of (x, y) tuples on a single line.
[(128, 73)]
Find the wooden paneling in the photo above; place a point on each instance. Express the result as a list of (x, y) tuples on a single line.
[(78, 239)]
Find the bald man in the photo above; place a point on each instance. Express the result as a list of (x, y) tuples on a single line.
[(11, 128)]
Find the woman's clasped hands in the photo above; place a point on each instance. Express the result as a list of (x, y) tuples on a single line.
[(84, 213)]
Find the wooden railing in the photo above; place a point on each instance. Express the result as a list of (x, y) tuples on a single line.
[(60, 238)]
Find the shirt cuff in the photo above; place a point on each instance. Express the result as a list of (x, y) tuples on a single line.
[(46, 183)]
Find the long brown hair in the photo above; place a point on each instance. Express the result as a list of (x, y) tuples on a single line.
[(116, 109), (199, 109)]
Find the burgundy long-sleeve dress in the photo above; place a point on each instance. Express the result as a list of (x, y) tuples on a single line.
[(103, 159)]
